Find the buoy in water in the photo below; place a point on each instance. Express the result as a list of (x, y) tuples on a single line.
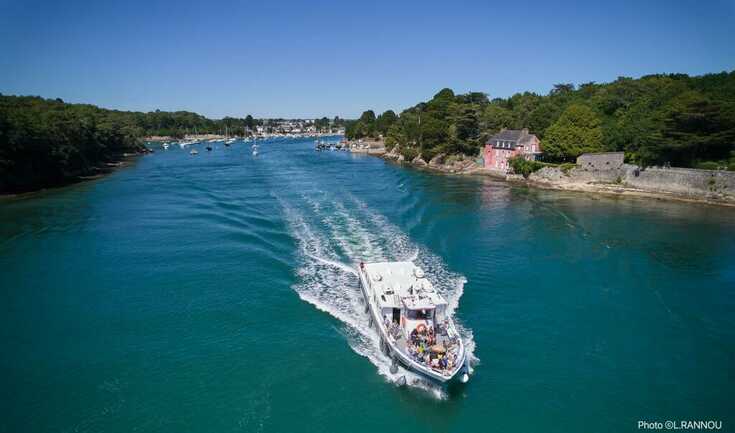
[(464, 378)]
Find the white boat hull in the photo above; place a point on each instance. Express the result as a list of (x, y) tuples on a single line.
[(388, 346)]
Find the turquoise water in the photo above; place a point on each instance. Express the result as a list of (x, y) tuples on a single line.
[(204, 293)]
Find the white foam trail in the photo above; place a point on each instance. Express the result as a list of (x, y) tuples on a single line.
[(449, 284), (336, 264), (360, 234), (411, 257)]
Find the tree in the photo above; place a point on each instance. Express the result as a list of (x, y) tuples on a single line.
[(385, 121), (578, 130), (696, 128), (250, 122), (367, 117), (523, 166), (688, 121), (494, 118), (465, 129), (542, 117), (562, 88)]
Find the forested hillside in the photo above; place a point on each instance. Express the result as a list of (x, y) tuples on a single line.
[(47, 142), (677, 119)]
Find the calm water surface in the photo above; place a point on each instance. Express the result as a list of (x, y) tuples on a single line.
[(204, 293)]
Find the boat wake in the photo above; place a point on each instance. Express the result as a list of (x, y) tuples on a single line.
[(332, 236)]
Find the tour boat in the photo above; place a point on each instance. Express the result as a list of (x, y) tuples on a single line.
[(412, 321)]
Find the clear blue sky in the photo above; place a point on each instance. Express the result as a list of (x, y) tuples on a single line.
[(307, 59)]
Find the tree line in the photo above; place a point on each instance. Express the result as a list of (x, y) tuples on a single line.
[(47, 142), (656, 119)]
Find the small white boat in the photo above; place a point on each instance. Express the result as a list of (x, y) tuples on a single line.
[(194, 152), (412, 322), (165, 145)]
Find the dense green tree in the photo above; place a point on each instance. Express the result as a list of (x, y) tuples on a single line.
[(542, 117), (365, 126), (322, 124), (47, 142), (385, 121), (578, 130), (495, 117), (250, 122), (697, 128), (367, 117), (687, 121)]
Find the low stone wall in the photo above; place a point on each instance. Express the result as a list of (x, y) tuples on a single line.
[(707, 185), (683, 181)]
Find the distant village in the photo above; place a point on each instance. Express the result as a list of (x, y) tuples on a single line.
[(299, 127)]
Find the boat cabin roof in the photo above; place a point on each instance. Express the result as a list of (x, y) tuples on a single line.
[(402, 284)]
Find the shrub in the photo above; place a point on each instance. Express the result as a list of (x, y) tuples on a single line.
[(452, 159), (427, 153), (409, 153), (523, 166), (567, 166), (709, 165)]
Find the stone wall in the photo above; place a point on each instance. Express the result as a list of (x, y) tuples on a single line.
[(601, 161), (577, 175), (683, 181)]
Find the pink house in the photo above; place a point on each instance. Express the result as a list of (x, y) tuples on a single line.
[(508, 143)]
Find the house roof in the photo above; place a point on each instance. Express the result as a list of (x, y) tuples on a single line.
[(508, 135), (511, 138)]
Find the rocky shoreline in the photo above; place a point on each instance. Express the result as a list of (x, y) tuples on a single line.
[(685, 185)]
